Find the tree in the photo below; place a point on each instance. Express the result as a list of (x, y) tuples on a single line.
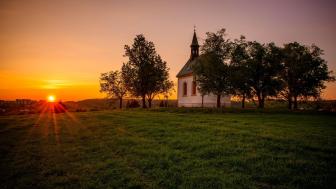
[(264, 68), (211, 71), (203, 92), (145, 74), (167, 90), (239, 73), (212, 76), (113, 85), (305, 72)]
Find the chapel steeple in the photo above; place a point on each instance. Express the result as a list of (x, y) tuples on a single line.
[(194, 46)]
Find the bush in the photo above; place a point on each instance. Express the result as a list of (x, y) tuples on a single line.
[(132, 104), (81, 110)]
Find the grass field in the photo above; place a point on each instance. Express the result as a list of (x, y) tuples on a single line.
[(168, 149)]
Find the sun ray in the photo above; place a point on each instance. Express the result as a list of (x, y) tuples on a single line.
[(56, 128)]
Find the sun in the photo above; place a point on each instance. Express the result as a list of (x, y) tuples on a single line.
[(51, 98)]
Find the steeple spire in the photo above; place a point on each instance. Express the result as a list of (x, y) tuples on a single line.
[(194, 46)]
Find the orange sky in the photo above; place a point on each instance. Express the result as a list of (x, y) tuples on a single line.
[(61, 47)]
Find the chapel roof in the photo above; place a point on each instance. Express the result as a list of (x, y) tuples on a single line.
[(187, 68)]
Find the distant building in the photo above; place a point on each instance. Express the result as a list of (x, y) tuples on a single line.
[(187, 93)]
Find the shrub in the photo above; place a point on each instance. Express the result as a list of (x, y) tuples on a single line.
[(132, 104)]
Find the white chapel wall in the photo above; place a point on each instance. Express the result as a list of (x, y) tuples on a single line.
[(191, 100)]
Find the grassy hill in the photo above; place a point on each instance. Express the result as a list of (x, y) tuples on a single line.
[(168, 149)]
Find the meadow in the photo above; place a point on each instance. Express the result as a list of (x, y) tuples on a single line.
[(173, 148)]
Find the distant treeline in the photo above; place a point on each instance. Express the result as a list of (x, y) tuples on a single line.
[(108, 104)]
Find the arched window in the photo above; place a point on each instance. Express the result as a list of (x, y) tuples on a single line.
[(193, 92), (185, 89)]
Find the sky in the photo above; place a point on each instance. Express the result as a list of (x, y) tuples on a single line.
[(60, 47)]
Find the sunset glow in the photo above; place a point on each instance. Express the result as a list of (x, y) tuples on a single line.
[(62, 46)]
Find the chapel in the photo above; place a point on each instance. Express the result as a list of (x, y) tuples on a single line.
[(187, 92)]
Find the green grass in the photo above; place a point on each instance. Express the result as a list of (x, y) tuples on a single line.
[(168, 149)]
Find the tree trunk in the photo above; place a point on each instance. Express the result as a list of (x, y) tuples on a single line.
[(290, 101), (149, 102), (144, 102), (243, 101), (218, 101), (295, 103), (260, 101), (166, 102), (262, 104), (120, 102), (202, 101)]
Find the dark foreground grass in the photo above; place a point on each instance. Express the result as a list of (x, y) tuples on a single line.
[(153, 149)]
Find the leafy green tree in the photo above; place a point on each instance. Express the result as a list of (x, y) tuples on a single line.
[(239, 73), (264, 68), (212, 76), (305, 72), (145, 74), (113, 85), (211, 70), (217, 44)]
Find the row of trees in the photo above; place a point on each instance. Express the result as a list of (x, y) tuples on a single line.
[(251, 70), (145, 75)]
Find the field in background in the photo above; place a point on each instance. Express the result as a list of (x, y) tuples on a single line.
[(104, 104), (168, 148), (36, 107)]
